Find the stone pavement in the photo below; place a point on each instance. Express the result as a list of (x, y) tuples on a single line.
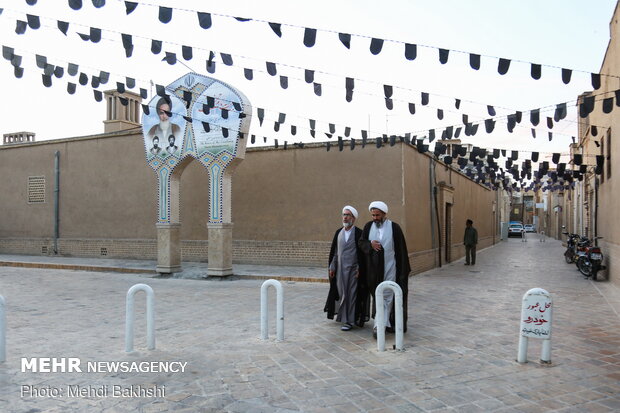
[(460, 347)]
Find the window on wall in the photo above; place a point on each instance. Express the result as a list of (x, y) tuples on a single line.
[(36, 189), (608, 155)]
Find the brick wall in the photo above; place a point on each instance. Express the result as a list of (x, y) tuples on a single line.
[(302, 253)]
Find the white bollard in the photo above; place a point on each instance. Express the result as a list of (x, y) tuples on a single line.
[(542, 236), (264, 331), (536, 313), (150, 316), (2, 329), (398, 308), (523, 236)]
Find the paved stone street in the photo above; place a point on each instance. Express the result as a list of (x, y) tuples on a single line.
[(460, 352)]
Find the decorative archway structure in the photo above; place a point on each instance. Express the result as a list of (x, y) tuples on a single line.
[(204, 120)]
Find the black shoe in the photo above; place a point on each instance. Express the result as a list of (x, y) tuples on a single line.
[(466, 263)]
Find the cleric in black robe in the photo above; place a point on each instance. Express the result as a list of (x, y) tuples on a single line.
[(348, 295), (383, 244)]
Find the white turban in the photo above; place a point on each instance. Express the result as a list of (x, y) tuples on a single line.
[(350, 208), (378, 205)]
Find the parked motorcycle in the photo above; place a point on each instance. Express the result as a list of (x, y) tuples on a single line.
[(571, 249), (590, 260)]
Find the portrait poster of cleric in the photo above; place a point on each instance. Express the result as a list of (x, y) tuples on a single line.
[(164, 127)]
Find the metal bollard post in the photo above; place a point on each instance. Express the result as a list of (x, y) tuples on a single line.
[(536, 313), (264, 332), (398, 308), (2, 329), (523, 236), (150, 316)]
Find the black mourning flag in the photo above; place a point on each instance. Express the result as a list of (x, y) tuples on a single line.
[(271, 68), (376, 45), (33, 21), (474, 61), (535, 116), (204, 20), (412, 108), (308, 75), (443, 56), (248, 73), (596, 81), (20, 27), (387, 90), (187, 52), (317, 89), (283, 82), (560, 112), (156, 46), (555, 158), (578, 159), (608, 105), (63, 27), (170, 58), (75, 4), (503, 66), (345, 38), (130, 6), (566, 75), (411, 51), (536, 71), (95, 35), (165, 14), (424, 98), (309, 37), (277, 28)]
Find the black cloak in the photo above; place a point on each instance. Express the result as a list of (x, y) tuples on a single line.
[(375, 266), (362, 305)]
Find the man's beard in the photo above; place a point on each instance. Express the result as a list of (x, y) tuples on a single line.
[(165, 126), (379, 223), (347, 224)]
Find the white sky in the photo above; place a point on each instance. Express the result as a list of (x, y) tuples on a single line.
[(560, 33)]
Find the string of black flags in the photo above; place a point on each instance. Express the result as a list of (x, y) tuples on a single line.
[(205, 21), (585, 107), (440, 149), (470, 128)]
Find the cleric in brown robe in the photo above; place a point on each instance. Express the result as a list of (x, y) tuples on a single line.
[(383, 244), (348, 295)]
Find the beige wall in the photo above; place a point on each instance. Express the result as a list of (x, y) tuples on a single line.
[(609, 189), (291, 199)]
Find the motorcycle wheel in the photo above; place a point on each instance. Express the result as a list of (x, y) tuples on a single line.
[(584, 267), (569, 257)]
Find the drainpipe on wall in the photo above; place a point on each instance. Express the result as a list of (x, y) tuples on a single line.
[(56, 199), (431, 186), (595, 210)]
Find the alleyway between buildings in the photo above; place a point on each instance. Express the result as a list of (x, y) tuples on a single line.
[(460, 348)]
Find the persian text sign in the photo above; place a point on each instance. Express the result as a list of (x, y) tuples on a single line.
[(536, 314)]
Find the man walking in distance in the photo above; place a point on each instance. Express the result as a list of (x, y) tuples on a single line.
[(347, 275), (470, 239), (387, 259)]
